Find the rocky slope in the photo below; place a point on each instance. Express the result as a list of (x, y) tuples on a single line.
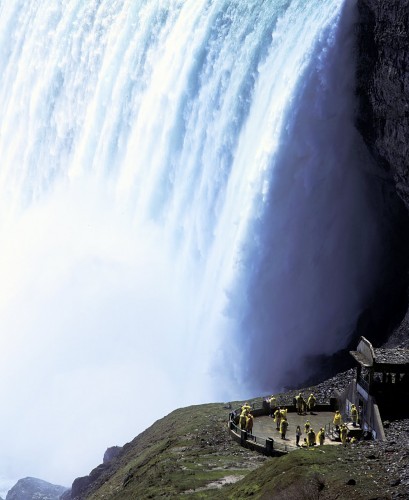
[(190, 454)]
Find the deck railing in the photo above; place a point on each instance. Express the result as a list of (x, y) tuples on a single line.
[(267, 446)]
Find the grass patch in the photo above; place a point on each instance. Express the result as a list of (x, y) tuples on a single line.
[(189, 453)]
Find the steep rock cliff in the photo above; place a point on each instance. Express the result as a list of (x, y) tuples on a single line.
[(383, 85), (383, 120)]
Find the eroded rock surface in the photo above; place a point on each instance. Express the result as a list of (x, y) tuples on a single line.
[(383, 121)]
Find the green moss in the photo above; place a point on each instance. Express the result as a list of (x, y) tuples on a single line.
[(188, 453)]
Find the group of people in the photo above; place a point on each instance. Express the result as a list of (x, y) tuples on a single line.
[(311, 438), (303, 405), (280, 414), (246, 418), (341, 427), (354, 417), (281, 421)]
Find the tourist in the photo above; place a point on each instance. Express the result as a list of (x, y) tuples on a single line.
[(337, 420), (354, 415), (246, 407), (297, 435), (283, 427), (344, 434), (243, 419), (311, 437), (299, 402), (249, 423), (273, 405), (311, 403), (277, 418), (321, 436)]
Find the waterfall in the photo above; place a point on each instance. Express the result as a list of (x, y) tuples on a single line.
[(184, 212)]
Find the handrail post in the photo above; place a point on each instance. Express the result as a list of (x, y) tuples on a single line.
[(243, 436), (269, 446)]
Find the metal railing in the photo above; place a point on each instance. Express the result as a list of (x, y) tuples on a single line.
[(269, 445), (266, 445), (329, 429)]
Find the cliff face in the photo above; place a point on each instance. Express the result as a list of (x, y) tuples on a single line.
[(383, 121), (383, 85)]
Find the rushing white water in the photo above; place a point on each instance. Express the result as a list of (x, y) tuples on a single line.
[(184, 212)]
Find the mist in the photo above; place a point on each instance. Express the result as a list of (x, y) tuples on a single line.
[(186, 212), (93, 330)]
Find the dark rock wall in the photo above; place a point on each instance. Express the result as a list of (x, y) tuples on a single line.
[(383, 120), (383, 85)]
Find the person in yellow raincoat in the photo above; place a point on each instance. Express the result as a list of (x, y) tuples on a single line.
[(311, 403), (246, 407), (311, 437), (337, 420), (299, 403), (277, 418), (354, 415), (344, 434), (283, 427), (243, 419), (321, 436), (273, 405)]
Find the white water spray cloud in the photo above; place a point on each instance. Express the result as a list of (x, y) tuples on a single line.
[(92, 333)]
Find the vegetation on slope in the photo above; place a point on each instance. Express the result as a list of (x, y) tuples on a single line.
[(190, 454), (178, 455)]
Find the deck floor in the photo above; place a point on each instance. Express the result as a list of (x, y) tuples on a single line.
[(265, 427)]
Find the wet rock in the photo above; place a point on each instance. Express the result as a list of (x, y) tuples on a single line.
[(383, 121)]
